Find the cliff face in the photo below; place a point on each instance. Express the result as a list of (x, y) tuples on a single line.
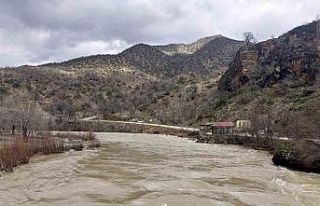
[(241, 69), (294, 55)]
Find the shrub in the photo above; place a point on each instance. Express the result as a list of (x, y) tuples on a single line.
[(219, 101), (299, 155), (13, 154), (86, 136), (18, 151)]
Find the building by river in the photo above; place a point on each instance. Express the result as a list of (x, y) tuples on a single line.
[(225, 128), (218, 128)]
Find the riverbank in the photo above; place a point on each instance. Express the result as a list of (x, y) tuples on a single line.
[(15, 150), (295, 154), (18, 151), (301, 155)]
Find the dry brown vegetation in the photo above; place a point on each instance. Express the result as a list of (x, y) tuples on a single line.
[(18, 151)]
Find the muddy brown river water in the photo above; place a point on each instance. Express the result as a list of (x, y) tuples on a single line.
[(142, 169)]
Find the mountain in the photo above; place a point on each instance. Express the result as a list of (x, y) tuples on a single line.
[(207, 54), (173, 49), (142, 82), (145, 57), (216, 54)]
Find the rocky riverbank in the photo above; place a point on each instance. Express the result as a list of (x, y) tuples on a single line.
[(301, 155)]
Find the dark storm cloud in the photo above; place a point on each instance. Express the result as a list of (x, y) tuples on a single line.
[(35, 31)]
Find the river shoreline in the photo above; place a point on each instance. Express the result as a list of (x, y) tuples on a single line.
[(16, 150), (300, 155)]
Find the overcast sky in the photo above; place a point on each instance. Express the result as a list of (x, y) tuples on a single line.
[(38, 31)]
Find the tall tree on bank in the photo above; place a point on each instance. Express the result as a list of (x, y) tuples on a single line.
[(21, 113)]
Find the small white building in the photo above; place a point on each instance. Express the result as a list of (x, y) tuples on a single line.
[(243, 125)]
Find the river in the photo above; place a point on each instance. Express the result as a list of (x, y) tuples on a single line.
[(142, 169)]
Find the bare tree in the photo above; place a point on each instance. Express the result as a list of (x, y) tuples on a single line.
[(296, 124), (249, 38), (317, 20), (30, 117), (26, 115), (262, 124)]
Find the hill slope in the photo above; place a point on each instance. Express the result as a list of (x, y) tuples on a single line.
[(142, 82), (212, 52), (182, 86)]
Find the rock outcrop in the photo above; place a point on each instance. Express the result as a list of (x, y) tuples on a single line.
[(301, 155), (241, 69), (294, 55)]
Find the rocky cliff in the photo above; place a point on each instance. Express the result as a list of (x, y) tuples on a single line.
[(293, 56)]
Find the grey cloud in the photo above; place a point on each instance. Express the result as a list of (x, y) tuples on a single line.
[(33, 31)]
